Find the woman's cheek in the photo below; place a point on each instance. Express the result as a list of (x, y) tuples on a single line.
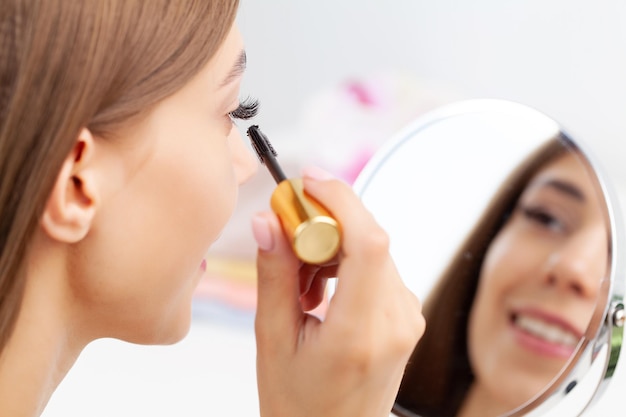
[(217, 198), (495, 260)]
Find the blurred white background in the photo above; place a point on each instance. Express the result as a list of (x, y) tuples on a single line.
[(566, 58)]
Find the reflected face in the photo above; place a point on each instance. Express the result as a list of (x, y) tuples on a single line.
[(177, 173), (539, 283)]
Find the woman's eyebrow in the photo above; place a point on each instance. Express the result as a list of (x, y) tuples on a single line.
[(564, 187), (237, 70)]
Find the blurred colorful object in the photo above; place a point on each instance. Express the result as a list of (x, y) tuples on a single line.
[(343, 126)]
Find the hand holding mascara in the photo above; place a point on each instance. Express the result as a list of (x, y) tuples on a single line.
[(314, 234)]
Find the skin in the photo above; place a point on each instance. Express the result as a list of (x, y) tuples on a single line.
[(546, 263), (120, 250)]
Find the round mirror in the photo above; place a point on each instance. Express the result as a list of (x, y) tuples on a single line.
[(507, 230)]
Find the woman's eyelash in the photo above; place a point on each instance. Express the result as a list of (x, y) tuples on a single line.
[(247, 109), (543, 217)]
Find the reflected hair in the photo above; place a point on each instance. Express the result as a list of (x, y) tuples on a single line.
[(66, 65), (441, 357)]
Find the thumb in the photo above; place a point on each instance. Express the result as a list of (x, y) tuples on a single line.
[(278, 291)]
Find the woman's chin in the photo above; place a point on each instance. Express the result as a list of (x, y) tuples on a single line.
[(177, 330), (166, 331)]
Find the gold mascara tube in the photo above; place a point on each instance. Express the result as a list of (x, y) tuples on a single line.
[(314, 234)]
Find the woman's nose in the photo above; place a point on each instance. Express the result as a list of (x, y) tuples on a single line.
[(580, 264), (244, 163)]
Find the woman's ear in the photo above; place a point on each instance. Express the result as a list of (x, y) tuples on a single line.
[(71, 207)]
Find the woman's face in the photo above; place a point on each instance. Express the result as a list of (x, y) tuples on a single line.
[(171, 186), (539, 283)]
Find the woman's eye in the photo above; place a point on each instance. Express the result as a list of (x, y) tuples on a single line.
[(543, 218), (247, 109)]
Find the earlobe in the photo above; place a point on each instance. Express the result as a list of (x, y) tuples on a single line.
[(71, 206)]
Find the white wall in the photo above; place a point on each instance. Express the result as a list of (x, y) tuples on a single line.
[(564, 57)]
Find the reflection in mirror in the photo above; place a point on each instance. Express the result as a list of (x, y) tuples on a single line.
[(517, 298), (518, 275)]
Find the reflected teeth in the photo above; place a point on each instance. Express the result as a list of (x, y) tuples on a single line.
[(547, 331)]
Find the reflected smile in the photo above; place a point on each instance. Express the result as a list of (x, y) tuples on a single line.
[(547, 328)]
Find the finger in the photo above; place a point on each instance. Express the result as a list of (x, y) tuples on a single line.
[(307, 273), (315, 294), (357, 222), (278, 305), (366, 265), (310, 272)]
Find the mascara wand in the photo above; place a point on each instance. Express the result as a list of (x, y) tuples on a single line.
[(266, 153), (314, 234)]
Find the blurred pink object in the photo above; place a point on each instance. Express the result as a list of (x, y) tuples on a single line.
[(342, 127)]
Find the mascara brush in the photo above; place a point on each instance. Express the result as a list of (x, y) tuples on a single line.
[(314, 234), (266, 153)]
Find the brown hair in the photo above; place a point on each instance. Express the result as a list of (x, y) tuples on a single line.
[(441, 357), (65, 65)]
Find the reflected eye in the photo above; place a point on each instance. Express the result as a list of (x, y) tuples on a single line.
[(247, 109), (543, 218)]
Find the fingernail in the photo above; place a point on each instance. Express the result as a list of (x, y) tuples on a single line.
[(316, 173), (262, 232)]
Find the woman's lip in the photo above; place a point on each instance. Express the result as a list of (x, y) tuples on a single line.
[(550, 318), (203, 266), (540, 346), (561, 347)]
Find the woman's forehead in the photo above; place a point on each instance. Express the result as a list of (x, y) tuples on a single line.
[(569, 167)]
